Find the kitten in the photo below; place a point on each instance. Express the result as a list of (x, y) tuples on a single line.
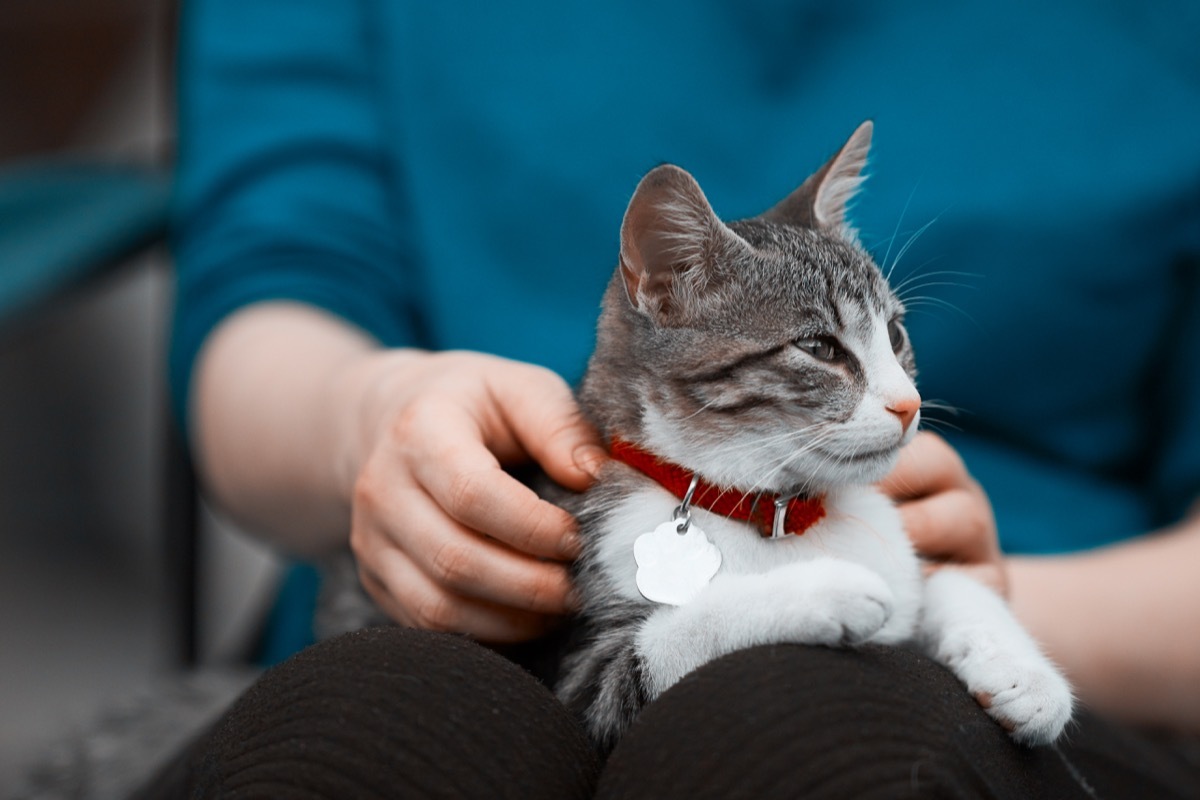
[(764, 358)]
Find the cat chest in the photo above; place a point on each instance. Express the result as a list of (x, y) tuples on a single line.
[(864, 529)]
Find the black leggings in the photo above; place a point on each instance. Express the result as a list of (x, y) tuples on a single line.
[(394, 712)]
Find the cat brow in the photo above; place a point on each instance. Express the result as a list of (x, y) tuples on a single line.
[(726, 371)]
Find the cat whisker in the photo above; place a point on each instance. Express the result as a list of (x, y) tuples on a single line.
[(757, 444), (896, 232), (701, 409), (791, 457), (917, 274), (939, 425), (907, 300), (940, 405), (907, 245), (936, 423), (937, 302), (926, 284), (765, 477)]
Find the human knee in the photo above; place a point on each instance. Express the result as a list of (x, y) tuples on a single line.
[(805, 721)]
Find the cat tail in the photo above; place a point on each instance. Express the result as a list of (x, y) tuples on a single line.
[(603, 681)]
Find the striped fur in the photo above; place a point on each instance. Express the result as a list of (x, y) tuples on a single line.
[(697, 352)]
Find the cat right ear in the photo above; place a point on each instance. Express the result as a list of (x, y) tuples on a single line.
[(671, 243), (821, 201)]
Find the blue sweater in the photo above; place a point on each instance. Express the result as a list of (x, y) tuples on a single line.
[(449, 178)]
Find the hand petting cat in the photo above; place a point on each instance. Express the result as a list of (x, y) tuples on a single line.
[(946, 512), (409, 445), (444, 538)]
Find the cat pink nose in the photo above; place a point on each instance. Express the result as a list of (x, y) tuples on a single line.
[(905, 409)]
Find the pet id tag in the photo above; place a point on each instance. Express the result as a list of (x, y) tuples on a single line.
[(673, 566)]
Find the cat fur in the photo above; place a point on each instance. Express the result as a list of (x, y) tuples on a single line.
[(707, 356)]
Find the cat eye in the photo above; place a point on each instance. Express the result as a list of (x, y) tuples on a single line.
[(822, 348), (896, 335)]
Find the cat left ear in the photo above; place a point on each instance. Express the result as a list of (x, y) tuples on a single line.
[(821, 201), (672, 244)]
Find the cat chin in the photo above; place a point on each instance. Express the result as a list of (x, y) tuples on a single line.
[(860, 471), (879, 468)]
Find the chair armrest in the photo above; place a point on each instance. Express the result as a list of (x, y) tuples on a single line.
[(63, 223)]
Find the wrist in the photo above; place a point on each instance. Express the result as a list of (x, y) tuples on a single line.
[(362, 399)]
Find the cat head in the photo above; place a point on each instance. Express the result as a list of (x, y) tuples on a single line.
[(765, 354)]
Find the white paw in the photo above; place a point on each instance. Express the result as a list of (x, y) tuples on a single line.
[(1028, 697), (835, 603)]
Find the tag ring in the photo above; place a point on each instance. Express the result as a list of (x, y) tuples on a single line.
[(683, 510)]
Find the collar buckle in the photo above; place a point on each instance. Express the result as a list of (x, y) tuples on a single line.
[(779, 523)]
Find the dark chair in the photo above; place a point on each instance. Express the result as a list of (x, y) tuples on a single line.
[(64, 226)]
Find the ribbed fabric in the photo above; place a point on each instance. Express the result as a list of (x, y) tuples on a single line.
[(398, 713), (809, 722), (393, 713)]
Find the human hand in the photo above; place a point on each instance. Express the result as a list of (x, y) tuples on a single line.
[(946, 512), (444, 538)]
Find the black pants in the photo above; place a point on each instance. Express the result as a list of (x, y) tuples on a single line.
[(393, 712)]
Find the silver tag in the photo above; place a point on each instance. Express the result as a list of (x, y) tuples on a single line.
[(673, 567)]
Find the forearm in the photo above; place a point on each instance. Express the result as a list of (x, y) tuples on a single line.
[(1124, 622), (276, 396)]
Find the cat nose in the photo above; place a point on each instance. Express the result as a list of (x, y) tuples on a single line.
[(905, 408)]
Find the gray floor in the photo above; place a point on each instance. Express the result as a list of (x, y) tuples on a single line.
[(80, 631)]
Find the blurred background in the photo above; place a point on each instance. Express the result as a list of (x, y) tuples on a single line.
[(89, 600)]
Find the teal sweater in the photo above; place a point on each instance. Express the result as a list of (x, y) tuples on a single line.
[(454, 177)]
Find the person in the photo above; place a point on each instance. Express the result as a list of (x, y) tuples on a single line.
[(395, 222)]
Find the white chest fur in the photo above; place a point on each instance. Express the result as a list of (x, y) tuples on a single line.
[(860, 526)]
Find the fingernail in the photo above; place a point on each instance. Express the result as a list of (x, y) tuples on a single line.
[(571, 543), (589, 458)]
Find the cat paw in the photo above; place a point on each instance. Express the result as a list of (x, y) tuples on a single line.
[(841, 604), (1031, 701)]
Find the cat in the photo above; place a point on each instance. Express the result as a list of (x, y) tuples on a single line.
[(748, 362)]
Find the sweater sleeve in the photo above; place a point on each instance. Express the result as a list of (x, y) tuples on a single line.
[(283, 190), (1176, 478)]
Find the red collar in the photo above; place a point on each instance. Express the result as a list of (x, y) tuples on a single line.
[(759, 509)]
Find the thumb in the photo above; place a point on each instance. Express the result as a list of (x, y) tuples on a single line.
[(546, 421)]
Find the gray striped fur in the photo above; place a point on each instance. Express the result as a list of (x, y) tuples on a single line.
[(698, 327)]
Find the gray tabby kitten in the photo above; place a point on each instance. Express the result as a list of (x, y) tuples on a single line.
[(750, 363)]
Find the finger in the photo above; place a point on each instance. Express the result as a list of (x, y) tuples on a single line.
[(403, 593), (441, 446), (467, 564), (465, 480), (547, 424), (926, 466), (951, 526)]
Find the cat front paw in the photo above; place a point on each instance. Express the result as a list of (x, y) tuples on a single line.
[(1031, 701), (970, 630), (838, 603)]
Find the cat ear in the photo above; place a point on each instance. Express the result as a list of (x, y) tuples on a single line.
[(671, 241), (821, 201)]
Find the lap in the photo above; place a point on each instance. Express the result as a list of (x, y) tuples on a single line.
[(393, 712), (789, 721), (390, 712)]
